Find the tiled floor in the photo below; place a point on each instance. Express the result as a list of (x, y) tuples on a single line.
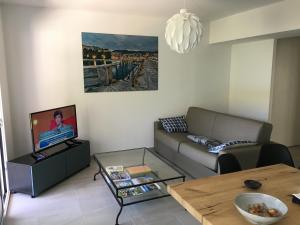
[(81, 201)]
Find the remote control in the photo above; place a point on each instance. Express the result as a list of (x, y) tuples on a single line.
[(38, 156)]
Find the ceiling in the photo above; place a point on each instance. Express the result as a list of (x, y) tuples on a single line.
[(205, 9)]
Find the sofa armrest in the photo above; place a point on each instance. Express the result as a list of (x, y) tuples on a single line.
[(246, 155), (157, 125)]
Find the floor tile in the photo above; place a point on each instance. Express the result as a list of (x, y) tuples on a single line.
[(80, 200)]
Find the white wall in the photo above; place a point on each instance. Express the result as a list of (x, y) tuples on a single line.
[(44, 65), (275, 18), (212, 75), (4, 99), (250, 79)]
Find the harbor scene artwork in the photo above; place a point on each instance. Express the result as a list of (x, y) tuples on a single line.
[(113, 62)]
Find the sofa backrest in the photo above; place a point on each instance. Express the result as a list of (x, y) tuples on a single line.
[(200, 121), (228, 127), (225, 127)]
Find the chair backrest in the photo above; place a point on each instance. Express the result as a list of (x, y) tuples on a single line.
[(228, 163), (271, 154)]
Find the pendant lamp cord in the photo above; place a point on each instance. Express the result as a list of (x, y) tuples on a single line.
[(184, 4)]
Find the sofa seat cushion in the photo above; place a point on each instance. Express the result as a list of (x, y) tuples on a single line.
[(199, 154), (171, 140)]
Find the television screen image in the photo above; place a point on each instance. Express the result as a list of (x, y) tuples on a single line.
[(53, 126)]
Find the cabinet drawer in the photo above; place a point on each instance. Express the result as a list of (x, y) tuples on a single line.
[(48, 173), (78, 158)]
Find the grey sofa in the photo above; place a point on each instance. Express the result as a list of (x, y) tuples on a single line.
[(192, 157)]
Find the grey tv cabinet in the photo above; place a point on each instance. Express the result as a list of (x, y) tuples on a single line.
[(30, 176)]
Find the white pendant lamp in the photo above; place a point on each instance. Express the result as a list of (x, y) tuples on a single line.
[(183, 31)]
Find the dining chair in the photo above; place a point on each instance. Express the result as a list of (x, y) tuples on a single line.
[(228, 163), (271, 154)]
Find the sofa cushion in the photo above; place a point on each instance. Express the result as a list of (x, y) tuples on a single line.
[(171, 140), (199, 154), (228, 127), (200, 121), (174, 124)]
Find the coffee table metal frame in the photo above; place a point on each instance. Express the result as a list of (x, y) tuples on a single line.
[(115, 190)]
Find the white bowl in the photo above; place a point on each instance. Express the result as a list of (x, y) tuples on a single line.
[(242, 202)]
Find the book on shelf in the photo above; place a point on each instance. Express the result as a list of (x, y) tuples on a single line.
[(135, 170)]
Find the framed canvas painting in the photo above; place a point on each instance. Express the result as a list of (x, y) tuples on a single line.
[(113, 62)]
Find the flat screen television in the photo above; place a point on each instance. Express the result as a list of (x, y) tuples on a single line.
[(52, 127)]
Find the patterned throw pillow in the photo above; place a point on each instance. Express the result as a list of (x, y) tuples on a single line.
[(174, 124), (226, 145)]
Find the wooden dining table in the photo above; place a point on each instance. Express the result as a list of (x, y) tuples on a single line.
[(210, 200)]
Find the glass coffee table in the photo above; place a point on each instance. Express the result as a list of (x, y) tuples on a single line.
[(136, 175)]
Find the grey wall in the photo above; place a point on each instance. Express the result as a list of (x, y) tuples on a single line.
[(285, 109), (5, 109)]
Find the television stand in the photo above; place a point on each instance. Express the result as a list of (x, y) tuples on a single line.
[(32, 176), (38, 156), (72, 142)]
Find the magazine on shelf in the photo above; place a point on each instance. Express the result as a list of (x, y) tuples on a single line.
[(110, 169), (123, 183), (122, 179), (117, 173), (119, 176), (146, 187), (141, 180), (134, 191)]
